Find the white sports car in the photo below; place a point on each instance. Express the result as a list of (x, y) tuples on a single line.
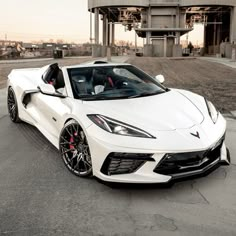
[(119, 124)]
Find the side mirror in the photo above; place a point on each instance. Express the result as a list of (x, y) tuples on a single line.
[(160, 79), (48, 89)]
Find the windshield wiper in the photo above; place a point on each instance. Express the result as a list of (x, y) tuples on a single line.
[(101, 97)]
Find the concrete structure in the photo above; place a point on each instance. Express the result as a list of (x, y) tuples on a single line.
[(162, 22)]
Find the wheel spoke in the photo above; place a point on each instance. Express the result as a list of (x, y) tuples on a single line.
[(13, 108), (68, 131), (11, 101), (82, 136), (64, 139), (75, 153), (87, 163), (72, 159), (78, 160), (66, 150), (75, 129), (67, 142)]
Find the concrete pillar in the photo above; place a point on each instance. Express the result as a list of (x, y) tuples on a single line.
[(177, 41), (91, 27), (104, 33), (104, 51), (177, 50), (177, 25), (234, 53), (233, 25), (214, 38), (165, 45), (218, 35), (177, 18), (148, 50), (109, 54), (148, 34), (228, 50), (96, 50), (96, 26), (135, 42), (107, 33), (113, 34)]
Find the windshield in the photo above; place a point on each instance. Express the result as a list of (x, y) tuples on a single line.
[(112, 82)]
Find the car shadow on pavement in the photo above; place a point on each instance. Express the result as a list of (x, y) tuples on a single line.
[(153, 186)]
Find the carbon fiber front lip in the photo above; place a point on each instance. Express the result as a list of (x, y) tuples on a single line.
[(196, 172)]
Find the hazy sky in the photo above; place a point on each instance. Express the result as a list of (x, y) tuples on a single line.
[(45, 19), (29, 20)]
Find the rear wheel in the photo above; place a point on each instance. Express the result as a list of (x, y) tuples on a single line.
[(74, 149), (12, 106)]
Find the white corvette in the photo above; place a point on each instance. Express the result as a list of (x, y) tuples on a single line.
[(119, 124)]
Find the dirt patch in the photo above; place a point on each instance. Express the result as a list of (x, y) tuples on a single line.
[(214, 81)]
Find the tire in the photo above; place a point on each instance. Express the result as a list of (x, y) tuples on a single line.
[(228, 155), (12, 106), (74, 149)]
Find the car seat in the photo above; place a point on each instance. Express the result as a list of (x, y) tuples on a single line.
[(81, 85)]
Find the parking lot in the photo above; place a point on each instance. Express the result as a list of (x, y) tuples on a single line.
[(39, 196)]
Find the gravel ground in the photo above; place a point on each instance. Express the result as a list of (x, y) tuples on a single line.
[(6, 68), (214, 81)]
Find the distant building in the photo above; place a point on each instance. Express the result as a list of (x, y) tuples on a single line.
[(49, 46)]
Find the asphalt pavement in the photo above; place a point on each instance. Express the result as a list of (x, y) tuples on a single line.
[(39, 196)]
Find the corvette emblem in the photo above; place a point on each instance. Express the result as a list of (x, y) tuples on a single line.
[(197, 135)]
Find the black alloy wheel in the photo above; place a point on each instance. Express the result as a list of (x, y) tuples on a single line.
[(74, 149), (12, 105)]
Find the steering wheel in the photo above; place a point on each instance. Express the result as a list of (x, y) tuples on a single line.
[(121, 84)]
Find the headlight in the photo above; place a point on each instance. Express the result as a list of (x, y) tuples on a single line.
[(117, 127), (212, 111)]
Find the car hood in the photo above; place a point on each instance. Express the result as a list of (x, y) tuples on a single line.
[(163, 112)]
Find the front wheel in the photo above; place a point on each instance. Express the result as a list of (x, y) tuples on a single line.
[(74, 149), (12, 106)]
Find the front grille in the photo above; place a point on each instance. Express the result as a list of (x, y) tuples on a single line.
[(124, 163), (181, 163)]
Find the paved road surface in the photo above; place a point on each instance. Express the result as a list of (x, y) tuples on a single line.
[(38, 196)]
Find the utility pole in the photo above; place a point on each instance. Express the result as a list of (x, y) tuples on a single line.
[(91, 27)]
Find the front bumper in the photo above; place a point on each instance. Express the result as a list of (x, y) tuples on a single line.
[(181, 165), (127, 166)]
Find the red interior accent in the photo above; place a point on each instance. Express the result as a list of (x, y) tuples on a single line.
[(110, 81)]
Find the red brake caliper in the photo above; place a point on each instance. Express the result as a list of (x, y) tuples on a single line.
[(72, 141)]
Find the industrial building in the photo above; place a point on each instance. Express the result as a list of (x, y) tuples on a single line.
[(162, 22)]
